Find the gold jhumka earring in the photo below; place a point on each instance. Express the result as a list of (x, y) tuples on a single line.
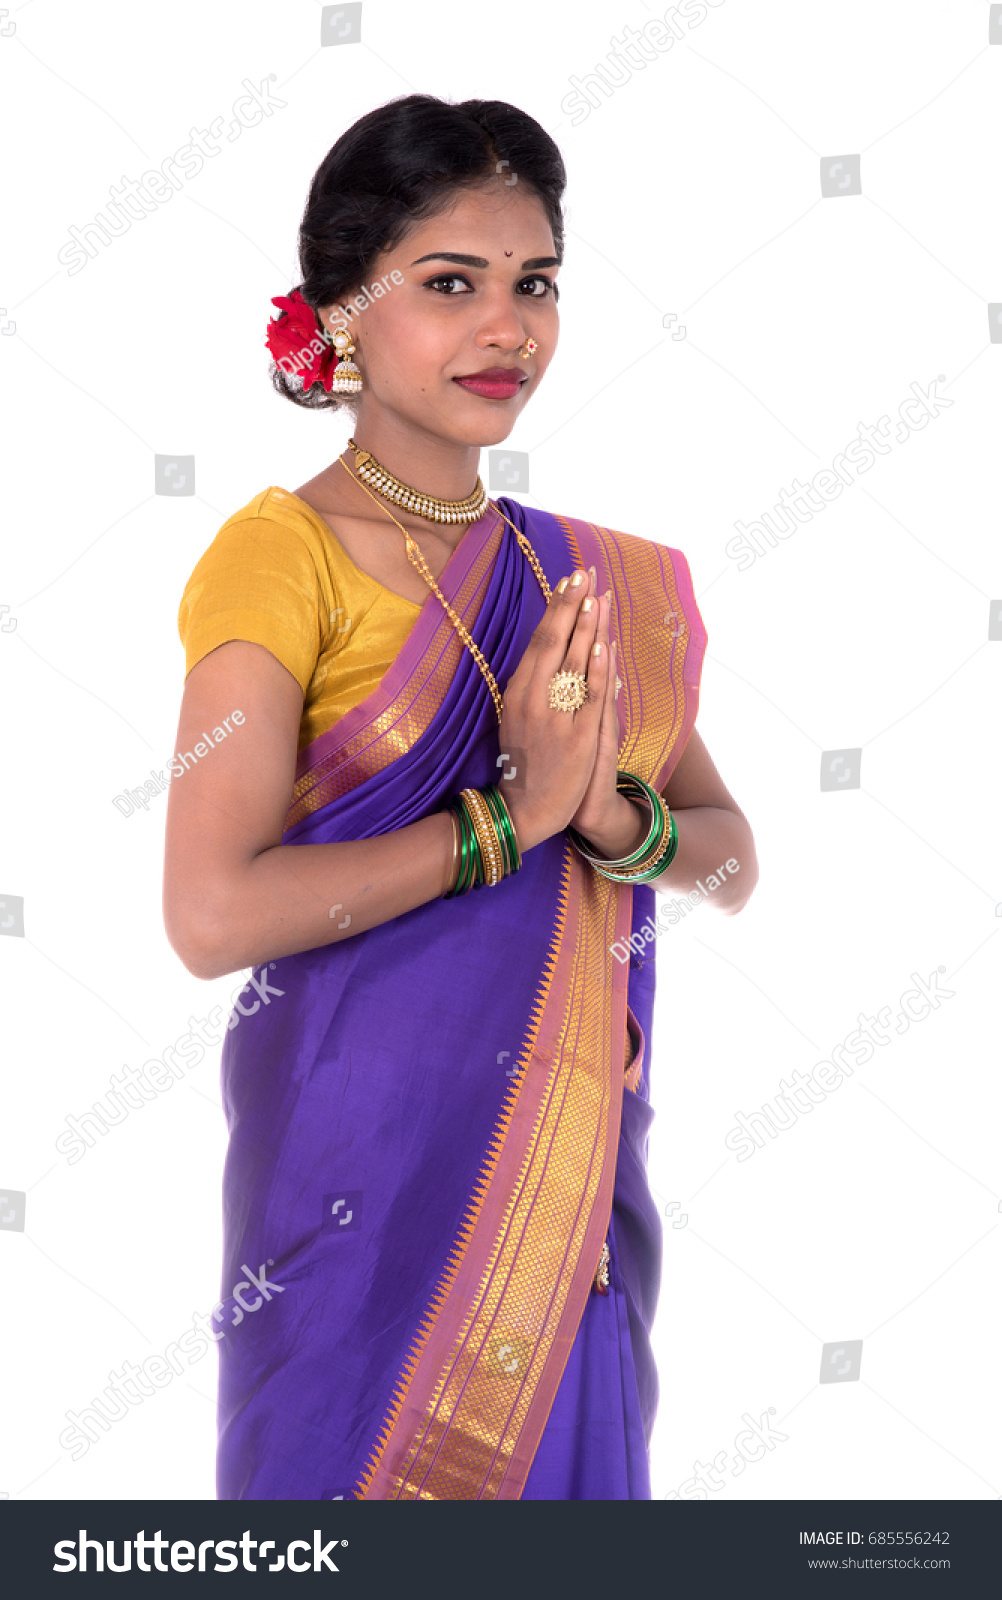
[(347, 378)]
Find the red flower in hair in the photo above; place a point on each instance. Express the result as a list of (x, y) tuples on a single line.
[(296, 343)]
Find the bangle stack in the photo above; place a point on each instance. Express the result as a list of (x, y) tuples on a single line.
[(657, 852), (485, 848)]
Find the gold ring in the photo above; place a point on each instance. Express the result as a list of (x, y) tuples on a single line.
[(568, 691)]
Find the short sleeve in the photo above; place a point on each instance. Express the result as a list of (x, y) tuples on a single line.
[(257, 581)]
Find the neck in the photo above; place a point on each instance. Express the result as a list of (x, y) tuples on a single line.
[(425, 461)]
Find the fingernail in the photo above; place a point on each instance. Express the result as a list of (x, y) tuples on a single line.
[(561, 586), (586, 605), (608, 595), (594, 577), (578, 578), (596, 649)]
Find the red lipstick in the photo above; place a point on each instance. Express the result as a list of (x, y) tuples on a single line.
[(496, 383)]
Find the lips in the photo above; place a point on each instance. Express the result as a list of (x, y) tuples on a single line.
[(497, 383)]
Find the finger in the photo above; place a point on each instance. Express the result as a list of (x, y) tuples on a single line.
[(548, 646), (610, 722), (613, 693), (610, 691), (584, 636), (545, 652), (591, 713)]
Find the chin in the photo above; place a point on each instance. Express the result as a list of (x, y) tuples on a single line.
[(483, 422)]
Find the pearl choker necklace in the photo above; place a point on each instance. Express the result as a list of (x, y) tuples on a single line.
[(421, 505)]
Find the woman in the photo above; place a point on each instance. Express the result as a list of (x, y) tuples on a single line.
[(437, 1098)]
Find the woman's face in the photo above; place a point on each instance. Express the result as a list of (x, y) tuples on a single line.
[(461, 294)]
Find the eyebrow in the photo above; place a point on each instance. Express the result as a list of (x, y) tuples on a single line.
[(482, 262)]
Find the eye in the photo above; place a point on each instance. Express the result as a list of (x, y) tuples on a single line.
[(538, 287), (445, 283)]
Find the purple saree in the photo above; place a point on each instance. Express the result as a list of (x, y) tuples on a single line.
[(431, 1133)]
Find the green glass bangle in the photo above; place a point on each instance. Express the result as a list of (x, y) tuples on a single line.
[(649, 845), (467, 852), (475, 878), (636, 789), (472, 873), (666, 860), (666, 853), (506, 828)]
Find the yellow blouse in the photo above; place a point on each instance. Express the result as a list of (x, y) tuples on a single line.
[(275, 575)]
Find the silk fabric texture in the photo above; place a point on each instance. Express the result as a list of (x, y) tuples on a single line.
[(276, 576), (430, 1129)]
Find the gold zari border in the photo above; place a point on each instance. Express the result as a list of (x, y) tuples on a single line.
[(540, 1250)]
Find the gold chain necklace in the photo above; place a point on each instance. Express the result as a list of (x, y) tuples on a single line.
[(418, 561)]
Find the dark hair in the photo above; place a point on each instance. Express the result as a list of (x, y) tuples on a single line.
[(396, 165)]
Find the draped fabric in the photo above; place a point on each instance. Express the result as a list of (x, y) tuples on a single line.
[(431, 1133)]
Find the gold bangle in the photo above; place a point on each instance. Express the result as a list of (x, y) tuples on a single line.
[(490, 845), (454, 874)]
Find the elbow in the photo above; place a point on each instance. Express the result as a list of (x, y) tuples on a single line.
[(200, 958), (204, 965), (739, 899), (199, 941), (742, 885)]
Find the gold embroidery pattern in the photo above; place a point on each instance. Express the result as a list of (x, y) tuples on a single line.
[(532, 1279), (481, 1187), (650, 649)]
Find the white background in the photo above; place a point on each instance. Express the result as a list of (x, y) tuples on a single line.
[(694, 190)]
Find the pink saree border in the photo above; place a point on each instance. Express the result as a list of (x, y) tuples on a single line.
[(392, 716)]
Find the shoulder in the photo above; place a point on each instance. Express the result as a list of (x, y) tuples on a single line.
[(651, 582), (269, 553), (630, 552), (273, 518), (265, 579), (275, 539)]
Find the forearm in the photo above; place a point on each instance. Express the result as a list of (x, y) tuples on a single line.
[(712, 839), (298, 897), (709, 837)]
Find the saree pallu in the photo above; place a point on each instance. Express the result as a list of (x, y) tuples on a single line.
[(431, 1131)]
